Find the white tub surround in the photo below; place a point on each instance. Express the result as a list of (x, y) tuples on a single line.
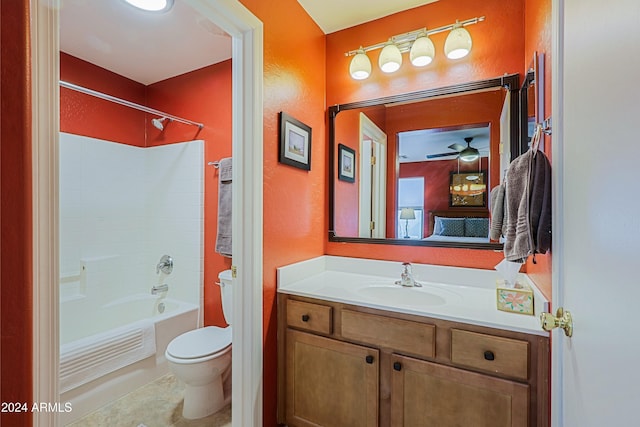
[(448, 293), (121, 209)]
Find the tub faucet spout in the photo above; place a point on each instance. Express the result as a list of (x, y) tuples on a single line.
[(159, 288)]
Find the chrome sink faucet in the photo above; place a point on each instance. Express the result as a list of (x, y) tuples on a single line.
[(406, 277)]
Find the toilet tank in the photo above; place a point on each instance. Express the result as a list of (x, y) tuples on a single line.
[(226, 290)]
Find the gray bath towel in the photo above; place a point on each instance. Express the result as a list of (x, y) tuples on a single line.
[(223, 241), (528, 206), (497, 212)]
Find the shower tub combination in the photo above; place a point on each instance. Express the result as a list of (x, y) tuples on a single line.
[(122, 207), (109, 350)]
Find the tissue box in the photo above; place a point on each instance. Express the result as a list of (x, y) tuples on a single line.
[(518, 299)]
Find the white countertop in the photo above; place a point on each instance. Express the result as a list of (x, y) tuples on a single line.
[(449, 293)]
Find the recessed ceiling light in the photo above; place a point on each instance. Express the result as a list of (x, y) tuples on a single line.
[(152, 5)]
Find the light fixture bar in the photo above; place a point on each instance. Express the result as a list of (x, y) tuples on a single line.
[(404, 40), (127, 103)]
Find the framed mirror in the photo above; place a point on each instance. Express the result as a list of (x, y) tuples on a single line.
[(423, 164), (532, 101)]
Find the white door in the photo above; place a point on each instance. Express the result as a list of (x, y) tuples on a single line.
[(596, 146), (373, 180), (505, 134)]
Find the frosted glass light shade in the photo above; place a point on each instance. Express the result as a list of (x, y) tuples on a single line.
[(152, 5), (360, 67), (422, 51), (390, 58), (469, 154), (458, 43)]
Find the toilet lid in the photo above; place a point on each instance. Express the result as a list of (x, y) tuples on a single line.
[(200, 342)]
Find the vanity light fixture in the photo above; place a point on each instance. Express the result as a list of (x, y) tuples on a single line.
[(152, 5), (360, 67), (420, 47), (422, 51), (390, 58), (458, 42)]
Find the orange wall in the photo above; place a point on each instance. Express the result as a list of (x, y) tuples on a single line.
[(202, 96), (538, 38), (498, 45), (86, 115), (295, 221), (16, 260), (347, 132)]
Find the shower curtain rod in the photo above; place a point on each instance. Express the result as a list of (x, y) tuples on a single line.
[(127, 103)]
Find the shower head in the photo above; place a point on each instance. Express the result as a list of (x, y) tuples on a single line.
[(158, 123)]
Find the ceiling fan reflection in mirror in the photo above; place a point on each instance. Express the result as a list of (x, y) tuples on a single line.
[(466, 154)]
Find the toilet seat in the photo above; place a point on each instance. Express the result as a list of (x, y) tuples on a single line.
[(199, 345)]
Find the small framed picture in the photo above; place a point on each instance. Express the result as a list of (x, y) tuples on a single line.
[(295, 142), (468, 189), (346, 163)]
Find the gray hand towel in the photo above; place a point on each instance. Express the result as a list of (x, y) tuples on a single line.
[(518, 244), (528, 206), (497, 212), (223, 240)]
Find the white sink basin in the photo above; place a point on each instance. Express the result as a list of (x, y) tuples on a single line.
[(407, 296)]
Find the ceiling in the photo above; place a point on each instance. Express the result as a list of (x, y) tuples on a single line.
[(414, 146), (145, 47), (150, 47), (335, 15)]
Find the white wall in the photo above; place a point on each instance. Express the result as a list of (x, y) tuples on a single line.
[(121, 209)]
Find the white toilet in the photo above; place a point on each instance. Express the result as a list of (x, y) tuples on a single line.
[(202, 360)]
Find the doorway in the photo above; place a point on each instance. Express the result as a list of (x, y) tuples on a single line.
[(247, 123), (373, 179)]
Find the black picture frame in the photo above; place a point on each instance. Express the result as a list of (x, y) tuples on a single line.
[(295, 142), (346, 163)]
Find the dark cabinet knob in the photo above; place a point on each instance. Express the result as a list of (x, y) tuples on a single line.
[(488, 355), (305, 317), (397, 366), (369, 359)]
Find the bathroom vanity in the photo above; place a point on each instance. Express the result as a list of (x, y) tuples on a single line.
[(355, 349)]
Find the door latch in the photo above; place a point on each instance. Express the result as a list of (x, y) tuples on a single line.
[(562, 319)]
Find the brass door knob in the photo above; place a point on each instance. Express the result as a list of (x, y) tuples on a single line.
[(562, 319)]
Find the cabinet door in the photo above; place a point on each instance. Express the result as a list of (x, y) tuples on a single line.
[(425, 394), (330, 383)]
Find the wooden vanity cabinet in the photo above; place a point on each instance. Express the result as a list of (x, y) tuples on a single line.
[(330, 382), (343, 365), (426, 394)]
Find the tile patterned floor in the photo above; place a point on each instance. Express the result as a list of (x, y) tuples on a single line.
[(157, 404)]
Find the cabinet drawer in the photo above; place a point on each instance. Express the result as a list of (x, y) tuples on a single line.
[(403, 336), (489, 353), (309, 316)]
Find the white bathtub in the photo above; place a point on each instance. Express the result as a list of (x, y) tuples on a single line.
[(108, 335)]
